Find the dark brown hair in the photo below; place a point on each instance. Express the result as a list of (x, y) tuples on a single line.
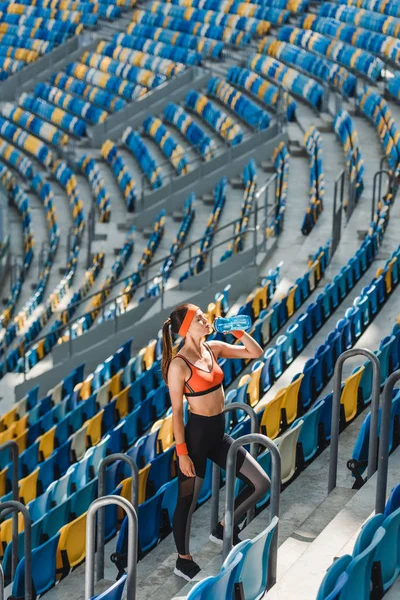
[(172, 324)]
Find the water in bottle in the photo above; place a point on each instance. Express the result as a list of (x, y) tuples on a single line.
[(226, 324)]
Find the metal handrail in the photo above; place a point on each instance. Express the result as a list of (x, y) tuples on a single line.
[(384, 441), (216, 474), (12, 505), (14, 451), (102, 492), (337, 391), (132, 543), (1, 583), (275, 495)]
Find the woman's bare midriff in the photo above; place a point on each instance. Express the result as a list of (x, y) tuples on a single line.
[(207, 405)]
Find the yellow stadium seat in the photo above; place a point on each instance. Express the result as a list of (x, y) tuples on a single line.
[(127, 485), (290, 400), (271, 420), (9, 417), (28, 486), (115, 385), (22, 441), (71, 549), (253, 389), (149, 354), (21, 425), (94, 429), (6, 531), (165, 437), (46, 443), (3, 480), (349, 397), (122, 403)]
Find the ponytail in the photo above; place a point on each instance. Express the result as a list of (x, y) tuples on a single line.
[(167, 349), (171, 325)]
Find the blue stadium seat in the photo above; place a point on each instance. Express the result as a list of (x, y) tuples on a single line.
[(334, 579), (161, 467), (253, 570), (308, 437), (43, 569), (393, 502), (219, 586)]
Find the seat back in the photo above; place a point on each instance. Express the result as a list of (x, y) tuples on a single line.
[(359, 571), (330, 581), (71, 549), (43, 569), (349, 396), (253, 570), (287, 444), (220, 586)]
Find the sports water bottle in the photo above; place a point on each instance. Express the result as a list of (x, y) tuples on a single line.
[(227, 324)]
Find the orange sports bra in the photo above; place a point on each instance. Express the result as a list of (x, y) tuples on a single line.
[(203, 382)]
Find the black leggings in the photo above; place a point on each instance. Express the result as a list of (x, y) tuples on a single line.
[(205, 437)]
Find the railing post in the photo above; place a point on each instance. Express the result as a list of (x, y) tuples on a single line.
[(377, 175), (100, 503), (102, 491), (1, 584), (13, 447), (217, 471), (275, 495), (337, 391), (384, 439), (17, 507)]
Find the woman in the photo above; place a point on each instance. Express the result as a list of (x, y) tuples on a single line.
[(195, 373)]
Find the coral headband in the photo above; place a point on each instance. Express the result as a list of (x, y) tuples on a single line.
[(191, 311)]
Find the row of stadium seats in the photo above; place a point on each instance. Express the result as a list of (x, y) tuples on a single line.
[(376, 109), (375, 561), (380, 6), (111, 154), (363, 18), (91, 93), (347, 134), (249, 179), (87, 320), (280, 159), (178, 243), (291, 80), (165, 66), (161, 49), (220, 34), (177, 116), (245, 108), (262, 89), (133, 74), (222, 123), (109, 83), (89, 167), (198, 262), (26, 141), (272, 13), (171, 149), (44, 346), (313, 145), (51, 113), (344, 54), (134, 280), (255, 26), (134, 142), (109, 10), (77, 107), (47, 14), (327, 71), (201, 45), (49, 133), (364, 39), (21, 202)]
